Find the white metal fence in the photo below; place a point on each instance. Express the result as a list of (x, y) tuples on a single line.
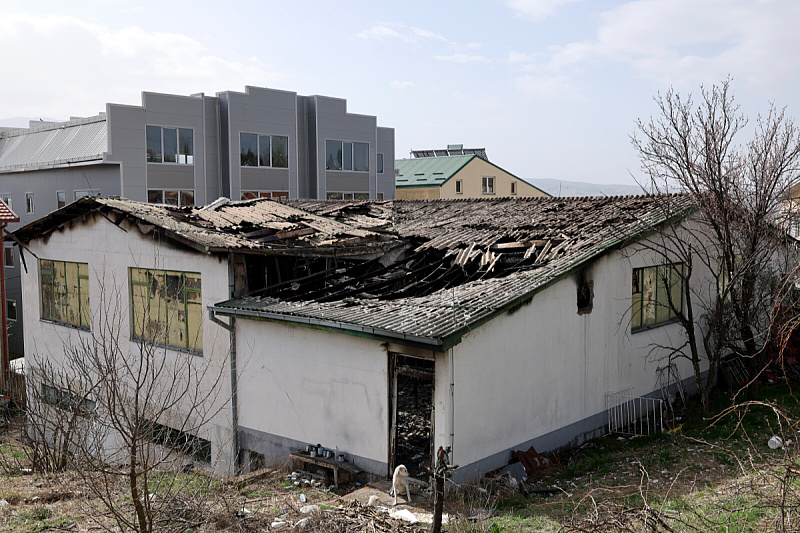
[(634, 415)]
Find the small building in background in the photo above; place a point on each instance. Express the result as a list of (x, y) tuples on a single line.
[(456, 172)]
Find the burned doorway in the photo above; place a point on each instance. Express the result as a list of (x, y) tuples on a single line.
[(411, 423)]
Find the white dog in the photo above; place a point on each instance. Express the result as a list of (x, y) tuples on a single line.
[(400, 482)]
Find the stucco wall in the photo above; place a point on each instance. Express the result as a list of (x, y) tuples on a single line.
[(303, 386), (544, 371), (472, 182), (110, 251)]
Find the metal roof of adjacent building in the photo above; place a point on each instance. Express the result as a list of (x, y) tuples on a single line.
[(6, 214), (452, 149), (53, 145), (428, 171), (546, 239)]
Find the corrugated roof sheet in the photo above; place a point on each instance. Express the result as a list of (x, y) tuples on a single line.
[(428, 171), (576, 230), (68, 142)]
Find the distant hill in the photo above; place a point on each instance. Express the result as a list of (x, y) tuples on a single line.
[(578, 188)]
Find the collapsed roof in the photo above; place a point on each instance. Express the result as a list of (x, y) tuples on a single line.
[(421, 271)]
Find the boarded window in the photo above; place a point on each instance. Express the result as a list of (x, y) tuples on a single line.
[(65, 292), (657, 293), (167, 308)]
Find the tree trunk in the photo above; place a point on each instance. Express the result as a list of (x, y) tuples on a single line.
[(438, 501)]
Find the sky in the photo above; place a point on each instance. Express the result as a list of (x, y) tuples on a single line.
[(551, 88)]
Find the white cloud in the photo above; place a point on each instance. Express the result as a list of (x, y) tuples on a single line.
[(464, 58), (536, 9), (685, 42), (546, 87), (73, 67), (380, 33), (400, 85), (518, 58)]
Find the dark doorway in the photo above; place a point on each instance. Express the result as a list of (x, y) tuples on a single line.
[(413, 413)]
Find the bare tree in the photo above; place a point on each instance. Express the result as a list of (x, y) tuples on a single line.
[(125, 412), (738, 194)]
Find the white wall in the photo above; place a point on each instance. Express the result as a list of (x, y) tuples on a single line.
[(109, 251), (312, 386), (544, 367)]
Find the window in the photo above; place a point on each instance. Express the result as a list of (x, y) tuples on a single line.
[(459, 189), (66, 400), (82, 193), (277, 195), (8, 256), (182, 198), (65, 292), (180, 441), (170, 145), (347, 196), (61, 199), (342, 155), (11, 310), (7, 199), (263, 150), (654, 288), (167, 308), (488, 185), (379, 196), (513, 187), (29, 202), (380, 164)]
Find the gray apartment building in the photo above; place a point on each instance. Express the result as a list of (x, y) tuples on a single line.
[(190, 150)]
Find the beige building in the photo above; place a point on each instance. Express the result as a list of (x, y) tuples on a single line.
[(457, 176)]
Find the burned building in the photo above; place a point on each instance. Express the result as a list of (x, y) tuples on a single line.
[(386, 328)]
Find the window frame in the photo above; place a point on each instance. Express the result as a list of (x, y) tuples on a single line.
[(178, 147), (12, 303), (55, 396), (6, 197), (6, 249), (61, 199), (487, 185), (459, 186), (179, 194), (379, 163), (259, 193), (638, 316), (513, 188), (30, 203), (179, 441), (270, 151), (344, 196), (79, 297), (343, 143), (89, 192), (190, 347)]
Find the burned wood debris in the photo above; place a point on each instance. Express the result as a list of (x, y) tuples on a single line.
[(385, 266)]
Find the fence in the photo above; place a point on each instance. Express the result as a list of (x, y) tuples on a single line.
[(634, 415)]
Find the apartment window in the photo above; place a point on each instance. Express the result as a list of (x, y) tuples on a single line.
[(8, 256), (263, 150), (459, 189), (653, 289), (182, 198), (379, 196), (61, 199), (380, 164), (344, 155), (65, 292), (66, 400), (180, 441), (167, 308), (29, 202), (169, 145), (488, 185), (7, 199), (348, 196), (11, 310), (513, 187), (277, 195), (82, 193)]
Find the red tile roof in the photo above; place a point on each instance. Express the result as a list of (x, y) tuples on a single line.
[(6, 214)]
